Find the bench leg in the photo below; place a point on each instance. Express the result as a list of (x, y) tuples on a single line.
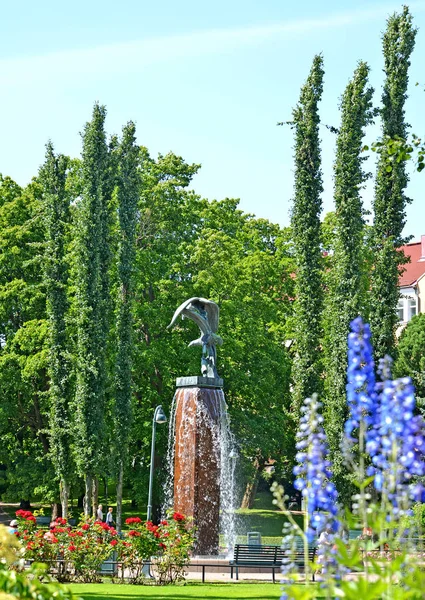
[(237, 573), (203, 573), (231, 572), (274, 580)]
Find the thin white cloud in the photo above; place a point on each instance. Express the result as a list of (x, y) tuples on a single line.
[(134, 56)]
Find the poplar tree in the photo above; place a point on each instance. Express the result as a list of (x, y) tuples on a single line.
[(57, 215), (347, 281), (389, 203), (306, 237), (128, 185), (93, 257)]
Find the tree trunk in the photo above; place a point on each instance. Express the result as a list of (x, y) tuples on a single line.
[(95, 495), (105, 488), (88, 495), (64, 492), (251, 488), (119, 496), (56, 510)]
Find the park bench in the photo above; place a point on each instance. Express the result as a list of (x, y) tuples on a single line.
[(267, 556)]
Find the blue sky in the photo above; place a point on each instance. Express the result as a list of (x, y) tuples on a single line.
[(208, 81)]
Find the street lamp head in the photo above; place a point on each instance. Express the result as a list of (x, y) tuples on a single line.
[(160, 416)]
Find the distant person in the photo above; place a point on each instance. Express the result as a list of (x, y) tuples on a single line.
[(13, 526), (368, 535), (100, 513), (50, 534), (110, 517)]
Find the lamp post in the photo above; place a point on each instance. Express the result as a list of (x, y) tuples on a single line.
[(158, 417)]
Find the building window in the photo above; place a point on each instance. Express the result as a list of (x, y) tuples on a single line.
[(411, 308), (400, 310)]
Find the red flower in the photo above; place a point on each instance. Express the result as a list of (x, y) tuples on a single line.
[(24, 514), (54, 539), (79, 533), (132, 520), (112, 531), (61, 521), (30, 546), (71, 548), (162, 545), (31, 518), (165, 523), (72, 535), (178, 516), (58, 530), (86, 527), (134, 533), (113, 542)]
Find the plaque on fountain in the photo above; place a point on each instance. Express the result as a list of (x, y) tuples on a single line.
[(201, 382)]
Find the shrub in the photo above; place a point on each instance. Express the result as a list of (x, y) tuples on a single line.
[(32, 584), (176, 538)]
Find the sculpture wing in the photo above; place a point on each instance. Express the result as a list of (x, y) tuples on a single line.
[(189, 309), (213, 312), (180, 310)]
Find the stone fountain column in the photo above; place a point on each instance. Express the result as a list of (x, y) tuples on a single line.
[(199, 402)]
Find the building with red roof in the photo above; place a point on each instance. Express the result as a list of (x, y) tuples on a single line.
[(412, 282)]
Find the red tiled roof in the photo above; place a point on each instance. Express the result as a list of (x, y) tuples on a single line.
[(415, 268)]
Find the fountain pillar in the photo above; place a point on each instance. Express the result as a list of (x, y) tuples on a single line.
[(199, 405)]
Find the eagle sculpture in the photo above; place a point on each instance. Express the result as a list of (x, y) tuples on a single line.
[(205, 314)]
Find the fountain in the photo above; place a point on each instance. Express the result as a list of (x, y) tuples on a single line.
[(201, 454)]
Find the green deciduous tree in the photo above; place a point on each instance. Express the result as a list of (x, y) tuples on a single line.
[(128, 190), (411, 355), (187, 247), (24, 408), (306, 237), (391, 180), (347, 279), (57, 216), (92, 265)]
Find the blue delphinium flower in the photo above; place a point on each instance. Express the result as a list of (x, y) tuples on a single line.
[(313, 472), (289, 567), (397, 446), (361, 384), (383, 422)]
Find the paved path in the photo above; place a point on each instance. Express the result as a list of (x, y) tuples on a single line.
[(4, 516)]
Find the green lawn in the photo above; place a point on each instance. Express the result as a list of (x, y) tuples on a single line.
[(218, 591)]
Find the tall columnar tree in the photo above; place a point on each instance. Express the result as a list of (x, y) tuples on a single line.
[(391, 180), (128, 188), (306, 236), (347, 280), (92, 298), (57, 216)]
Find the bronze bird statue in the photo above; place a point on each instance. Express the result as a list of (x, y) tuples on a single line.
[(205, 314)]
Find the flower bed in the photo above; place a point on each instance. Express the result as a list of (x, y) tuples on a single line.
[(77, 554)]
